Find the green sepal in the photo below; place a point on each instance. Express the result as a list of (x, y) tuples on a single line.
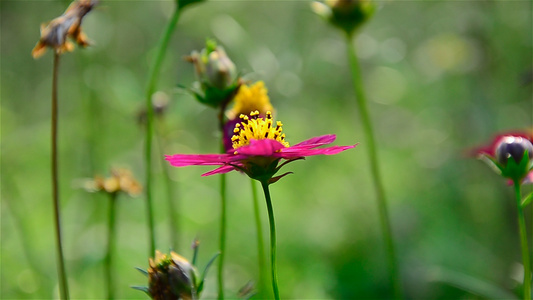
[(515, 171), (352, 20), (527, 200), (142, 271), (142, 289), (215, 97), (347, 18), (206, 269)]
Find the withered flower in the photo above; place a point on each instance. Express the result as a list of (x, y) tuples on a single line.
[(171, 277), (120, 180), (55, 33)]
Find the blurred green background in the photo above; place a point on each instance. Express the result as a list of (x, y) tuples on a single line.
[(441, 77)]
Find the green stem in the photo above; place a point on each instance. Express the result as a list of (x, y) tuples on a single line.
[(222, 236), (63, 284), (260, 244), (372, 153), (272, 223), (523, 242), (111, 236), (173, 224), (153, 77)]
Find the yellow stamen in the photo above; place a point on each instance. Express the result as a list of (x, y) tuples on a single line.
[(257, 128)]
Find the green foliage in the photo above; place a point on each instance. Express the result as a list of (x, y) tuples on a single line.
[(441, 77)]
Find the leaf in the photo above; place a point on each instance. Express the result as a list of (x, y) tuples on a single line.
[(142, 271), (527, 200), (141, 288), (211, 261), (470, 284)]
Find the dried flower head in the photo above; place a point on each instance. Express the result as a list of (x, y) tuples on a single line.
[(55, 33), (171, 277), (121, 180)]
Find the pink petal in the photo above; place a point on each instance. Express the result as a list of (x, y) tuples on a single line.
[(316, 141), (182, 160), (221, 170), (265, 147), (293, 153)]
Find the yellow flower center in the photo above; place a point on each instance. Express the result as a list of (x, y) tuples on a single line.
[(257, 128), (251, 98)]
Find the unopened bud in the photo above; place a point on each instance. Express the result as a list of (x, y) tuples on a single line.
[(348, 15), (514, 147), (220, 70)]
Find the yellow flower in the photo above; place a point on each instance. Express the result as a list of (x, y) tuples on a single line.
[(250, 98), (55, 33)]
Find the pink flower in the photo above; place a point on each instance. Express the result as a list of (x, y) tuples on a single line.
[(258, 148)]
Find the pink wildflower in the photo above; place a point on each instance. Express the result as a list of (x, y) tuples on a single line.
[(258, 147)]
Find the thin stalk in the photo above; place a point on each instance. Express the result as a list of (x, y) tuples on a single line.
[(173, 224), (272, 223), (153, 77), (374, 167), (111, 237), (523, 242), (260, 243), (63, 284), (223, 216)]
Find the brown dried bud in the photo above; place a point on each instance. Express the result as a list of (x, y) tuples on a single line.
[(55, 33)]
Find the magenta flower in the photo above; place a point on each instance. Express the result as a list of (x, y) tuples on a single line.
[(258, 148)]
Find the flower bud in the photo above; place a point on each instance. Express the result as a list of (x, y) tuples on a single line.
[(171, 278), (216, 74), (347, 15), (521, 152), (511, 146), (220, 70)]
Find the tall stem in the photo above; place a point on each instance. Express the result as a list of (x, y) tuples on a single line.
[(111, 237), (222, 236), (374, 167), (154, 75), (260, 243), (173, 224), (272, 223), (63, 284), (523, 242)]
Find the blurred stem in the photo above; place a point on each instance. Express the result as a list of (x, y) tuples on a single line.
[(372, 153), (173, 224), (523, 242), (111, 237), (272, 223), (223, 205), (153, 77), (260, 244), (63, 284)]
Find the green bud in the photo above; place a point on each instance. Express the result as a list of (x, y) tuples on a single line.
[(347, 15), (220, 70), (216, 74)]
